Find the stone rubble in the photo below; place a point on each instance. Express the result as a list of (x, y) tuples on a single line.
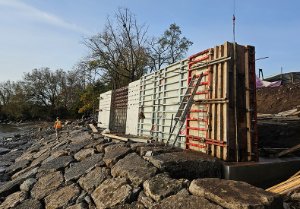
[(81, 170)]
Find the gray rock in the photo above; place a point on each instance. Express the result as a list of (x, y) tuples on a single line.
[(84, 153), (234, 194), (80, 137), (40, 159), (13, 185), (27, 184), (96, 142), (134, 168), (112, 192), (46, 184), (34, 148), (21, 172), (62, 197), (115, 152), (81, 197), (4, 150), (2, 169), (295, 197), (84, 166), (78, 206), (187, 164), (28, 155), (93, 179), (135, 146), (57, 164), (40, 152), (55, 154), (133, 205), (101, 147), (162, 186), (182, 200), (156, 150), (11, 156), (5, 163), (17, 166), (29, 204), (74, 147), (146, 201), (13, 200)]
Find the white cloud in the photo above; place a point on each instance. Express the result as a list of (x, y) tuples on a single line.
[(39, 15)]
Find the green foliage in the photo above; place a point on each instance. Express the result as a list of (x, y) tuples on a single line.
[(89, 97)]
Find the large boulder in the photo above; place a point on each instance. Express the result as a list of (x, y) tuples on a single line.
[(187, 164), (40, 159), (17, 166), (4, 150), (182, 200), (162, 186), (135, 168), (111, 193), (58, 163), (234, 194), (155, 150), (27, 184), (62, 197), (84, 153), (29, 204), (47, 184), (115, 152), (13, 199), (55, 154), (13, 185), (84, 166), (93, 179)]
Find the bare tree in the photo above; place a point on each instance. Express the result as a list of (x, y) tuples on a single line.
[(169, 48), (120, 51), (6, 92)]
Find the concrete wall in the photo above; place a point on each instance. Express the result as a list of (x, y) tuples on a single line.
[(104, 109)]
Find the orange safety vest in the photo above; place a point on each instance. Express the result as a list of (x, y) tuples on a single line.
[(57, 124)]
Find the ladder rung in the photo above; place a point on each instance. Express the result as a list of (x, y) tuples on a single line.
[(197, 119), (198, 111), (196, 129)]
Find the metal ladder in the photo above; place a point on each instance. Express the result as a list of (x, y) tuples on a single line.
[(185, 106)]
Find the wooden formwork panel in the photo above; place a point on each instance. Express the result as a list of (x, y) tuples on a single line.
[(222, 122), (119, 110)]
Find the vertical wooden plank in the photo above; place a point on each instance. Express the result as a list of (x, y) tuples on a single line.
[(218, 110), (209, 106), (214, 96), (248, 107), (225, 105)]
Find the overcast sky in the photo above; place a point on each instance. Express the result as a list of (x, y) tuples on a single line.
[(49, 33)]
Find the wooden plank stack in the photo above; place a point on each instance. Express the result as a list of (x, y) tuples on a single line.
[(290, 185)]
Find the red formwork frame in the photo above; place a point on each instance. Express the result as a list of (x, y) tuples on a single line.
[(192, 61), (207, 141)]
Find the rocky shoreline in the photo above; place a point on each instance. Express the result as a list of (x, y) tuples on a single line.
[(83, 170)]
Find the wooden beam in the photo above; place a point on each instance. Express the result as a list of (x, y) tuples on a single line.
[(116, 137), (94, 129), (289, 151)]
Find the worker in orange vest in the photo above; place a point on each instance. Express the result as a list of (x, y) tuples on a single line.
[(57, 127)]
